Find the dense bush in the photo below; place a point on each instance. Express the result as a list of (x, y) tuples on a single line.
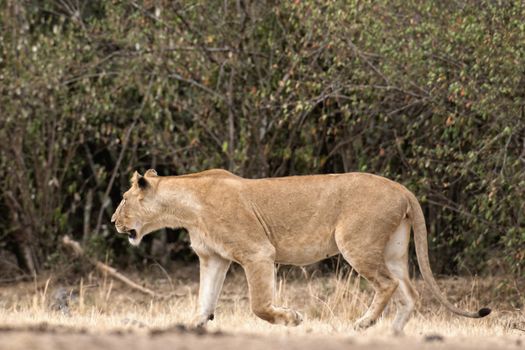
[(430, 94)]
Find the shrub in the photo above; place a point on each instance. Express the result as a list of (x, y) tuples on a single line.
[(428, 94)]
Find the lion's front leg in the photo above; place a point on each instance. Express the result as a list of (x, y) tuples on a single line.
[(261, 283), (213, 270)]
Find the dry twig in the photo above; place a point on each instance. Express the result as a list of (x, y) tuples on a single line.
[(77, 249)]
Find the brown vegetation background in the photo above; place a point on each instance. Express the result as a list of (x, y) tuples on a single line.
[(430, 94)]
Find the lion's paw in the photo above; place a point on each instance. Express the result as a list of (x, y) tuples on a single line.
[(363, 323), (296, 320), (290, 318), (200, 321)]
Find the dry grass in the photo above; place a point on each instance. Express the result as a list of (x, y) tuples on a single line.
[(329, 304)]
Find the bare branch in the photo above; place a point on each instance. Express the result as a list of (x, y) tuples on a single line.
[(77, 249)]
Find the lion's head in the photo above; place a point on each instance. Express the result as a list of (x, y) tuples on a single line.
[(137, 212)]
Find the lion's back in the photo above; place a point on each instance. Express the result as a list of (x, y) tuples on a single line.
[(219, 173)]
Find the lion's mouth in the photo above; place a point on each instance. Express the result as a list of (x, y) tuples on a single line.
[(132, 234)]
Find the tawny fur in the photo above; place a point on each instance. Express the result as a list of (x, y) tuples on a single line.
[(290, 220)]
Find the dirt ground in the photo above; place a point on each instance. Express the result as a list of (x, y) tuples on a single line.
[(46, 338), (102, 313)]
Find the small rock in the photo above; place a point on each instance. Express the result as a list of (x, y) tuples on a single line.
[(177, 328), (61, 299), (434, 338), (130, 322)]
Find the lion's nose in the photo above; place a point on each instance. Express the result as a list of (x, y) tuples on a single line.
[(113, 218)]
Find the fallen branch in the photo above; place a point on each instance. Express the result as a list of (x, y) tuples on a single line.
[(77, 249)]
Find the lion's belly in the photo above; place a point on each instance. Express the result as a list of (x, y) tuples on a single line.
[(304, 250)]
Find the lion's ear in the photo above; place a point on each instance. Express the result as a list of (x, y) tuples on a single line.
[(151, 172), (135, 177), (143, 183), (139, 181)]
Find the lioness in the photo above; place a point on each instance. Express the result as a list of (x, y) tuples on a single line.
[(294, 220)]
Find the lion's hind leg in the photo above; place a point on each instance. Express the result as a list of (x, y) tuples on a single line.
[(384, 286), (366, 257), (396, 258)]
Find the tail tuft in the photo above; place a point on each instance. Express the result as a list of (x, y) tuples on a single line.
[(484, 312)]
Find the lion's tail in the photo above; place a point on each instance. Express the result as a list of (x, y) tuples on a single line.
[(420, 238)]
